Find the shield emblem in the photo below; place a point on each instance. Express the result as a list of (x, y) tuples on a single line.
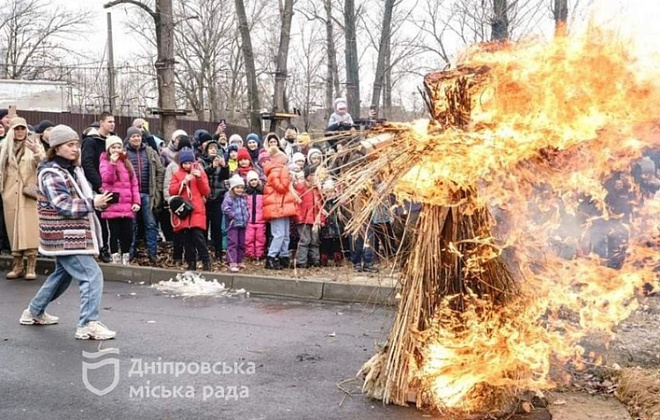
[(89, 366)]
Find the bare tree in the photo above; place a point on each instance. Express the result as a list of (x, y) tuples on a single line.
[(383, 53), (163, 18), (33, 35), (560, 14), (286, 15), (500, 21), (250, 69), (351, 53)]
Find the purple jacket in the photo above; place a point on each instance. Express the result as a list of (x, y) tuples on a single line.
[(116, 178)]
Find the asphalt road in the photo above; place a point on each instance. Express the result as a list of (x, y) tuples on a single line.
[(294, 355)]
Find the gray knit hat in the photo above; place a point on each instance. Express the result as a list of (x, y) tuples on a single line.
[(62, 134), (132, 130)]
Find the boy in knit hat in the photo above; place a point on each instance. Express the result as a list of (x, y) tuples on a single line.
[(235, 209), (255, 233)]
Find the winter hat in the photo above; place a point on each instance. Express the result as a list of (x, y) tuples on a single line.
[(272, 136), (186, 155), (293, 168), (340, 103), (178, 133), (236, 181), (252, 136), (277, 156), (17, 122), (304, 138), (184, 142), (243, 154), (236, 139), (112, 140), (329, 185), (232, 148), (313, 151), (205, 136), (132, 131), (298, 156), (309, 170), (62, 134), (211, 143), (43, 126), (252, 175)]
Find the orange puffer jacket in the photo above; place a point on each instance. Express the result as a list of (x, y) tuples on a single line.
[(278, 200)]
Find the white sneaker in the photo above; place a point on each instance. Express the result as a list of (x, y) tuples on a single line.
[(94, 330), (125, 258), (44, 319), (116, 258)]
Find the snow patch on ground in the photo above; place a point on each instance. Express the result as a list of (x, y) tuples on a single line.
[(189, 284)]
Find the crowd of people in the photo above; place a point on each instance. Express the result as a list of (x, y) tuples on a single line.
[(215, 197)]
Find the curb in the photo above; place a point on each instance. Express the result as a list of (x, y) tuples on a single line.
[(302, 289)]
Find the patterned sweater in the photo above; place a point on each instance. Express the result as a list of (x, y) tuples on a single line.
[(67, 222)]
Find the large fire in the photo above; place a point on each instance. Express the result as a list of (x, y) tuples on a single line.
[(547, 149)]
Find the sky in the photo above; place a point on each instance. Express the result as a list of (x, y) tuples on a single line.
[(638, 18)]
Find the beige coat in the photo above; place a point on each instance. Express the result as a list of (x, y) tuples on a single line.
[(21, 217)]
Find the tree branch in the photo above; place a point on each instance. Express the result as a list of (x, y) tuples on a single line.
[(134, 3)]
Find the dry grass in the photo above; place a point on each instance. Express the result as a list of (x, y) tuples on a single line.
[(639, 389)]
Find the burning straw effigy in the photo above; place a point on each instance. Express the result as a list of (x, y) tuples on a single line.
[(521, 250)]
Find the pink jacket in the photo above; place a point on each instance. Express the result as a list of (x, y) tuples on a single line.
[(256, 213), (116, 178)]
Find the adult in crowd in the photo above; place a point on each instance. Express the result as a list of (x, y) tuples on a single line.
[(19, 157), (167, 153), (217, 172), (150, 175), (93, 145), (147, 138), (42, 133), (65, 201), (4, 118)]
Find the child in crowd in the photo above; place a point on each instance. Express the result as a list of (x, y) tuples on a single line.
[(300, 160), (310, 219), (255, 233), (244, 164), (333, 230), (218, 173), (118, 177), (235, 209), (232, 158), (191, 183), (279, 207), (314, 157), (340, 118)]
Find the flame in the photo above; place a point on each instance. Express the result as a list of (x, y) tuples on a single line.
[(550, 125)]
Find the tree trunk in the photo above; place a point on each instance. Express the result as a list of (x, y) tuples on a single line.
[(332, 58), (250, 69), (165, 67), (352, 68), (387, 83), (383, 51), (282, 58), (500, 23), (560, 13)]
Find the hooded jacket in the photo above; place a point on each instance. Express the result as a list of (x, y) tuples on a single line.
[(93, 145)]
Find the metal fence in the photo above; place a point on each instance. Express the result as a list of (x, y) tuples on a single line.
[(81, 121)]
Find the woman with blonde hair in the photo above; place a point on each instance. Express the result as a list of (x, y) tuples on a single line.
[(19, 157)]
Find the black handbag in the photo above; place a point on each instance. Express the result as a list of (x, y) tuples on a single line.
[(180, 206)]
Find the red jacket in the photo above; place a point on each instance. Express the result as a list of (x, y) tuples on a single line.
[(278, 200), (199, 190), (311, 205)]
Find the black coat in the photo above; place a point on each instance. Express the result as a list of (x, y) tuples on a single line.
[(92, 147)]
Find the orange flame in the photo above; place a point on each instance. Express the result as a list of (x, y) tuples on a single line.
[(552, 124)]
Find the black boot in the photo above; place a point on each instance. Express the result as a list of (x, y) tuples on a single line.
[(105, 255), (207, 266), (192, 266), (285, 262), (272, 264)]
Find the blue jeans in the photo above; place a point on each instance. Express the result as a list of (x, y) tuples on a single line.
[(150, 227), (279, 230), (361, 251), (87, 272)]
